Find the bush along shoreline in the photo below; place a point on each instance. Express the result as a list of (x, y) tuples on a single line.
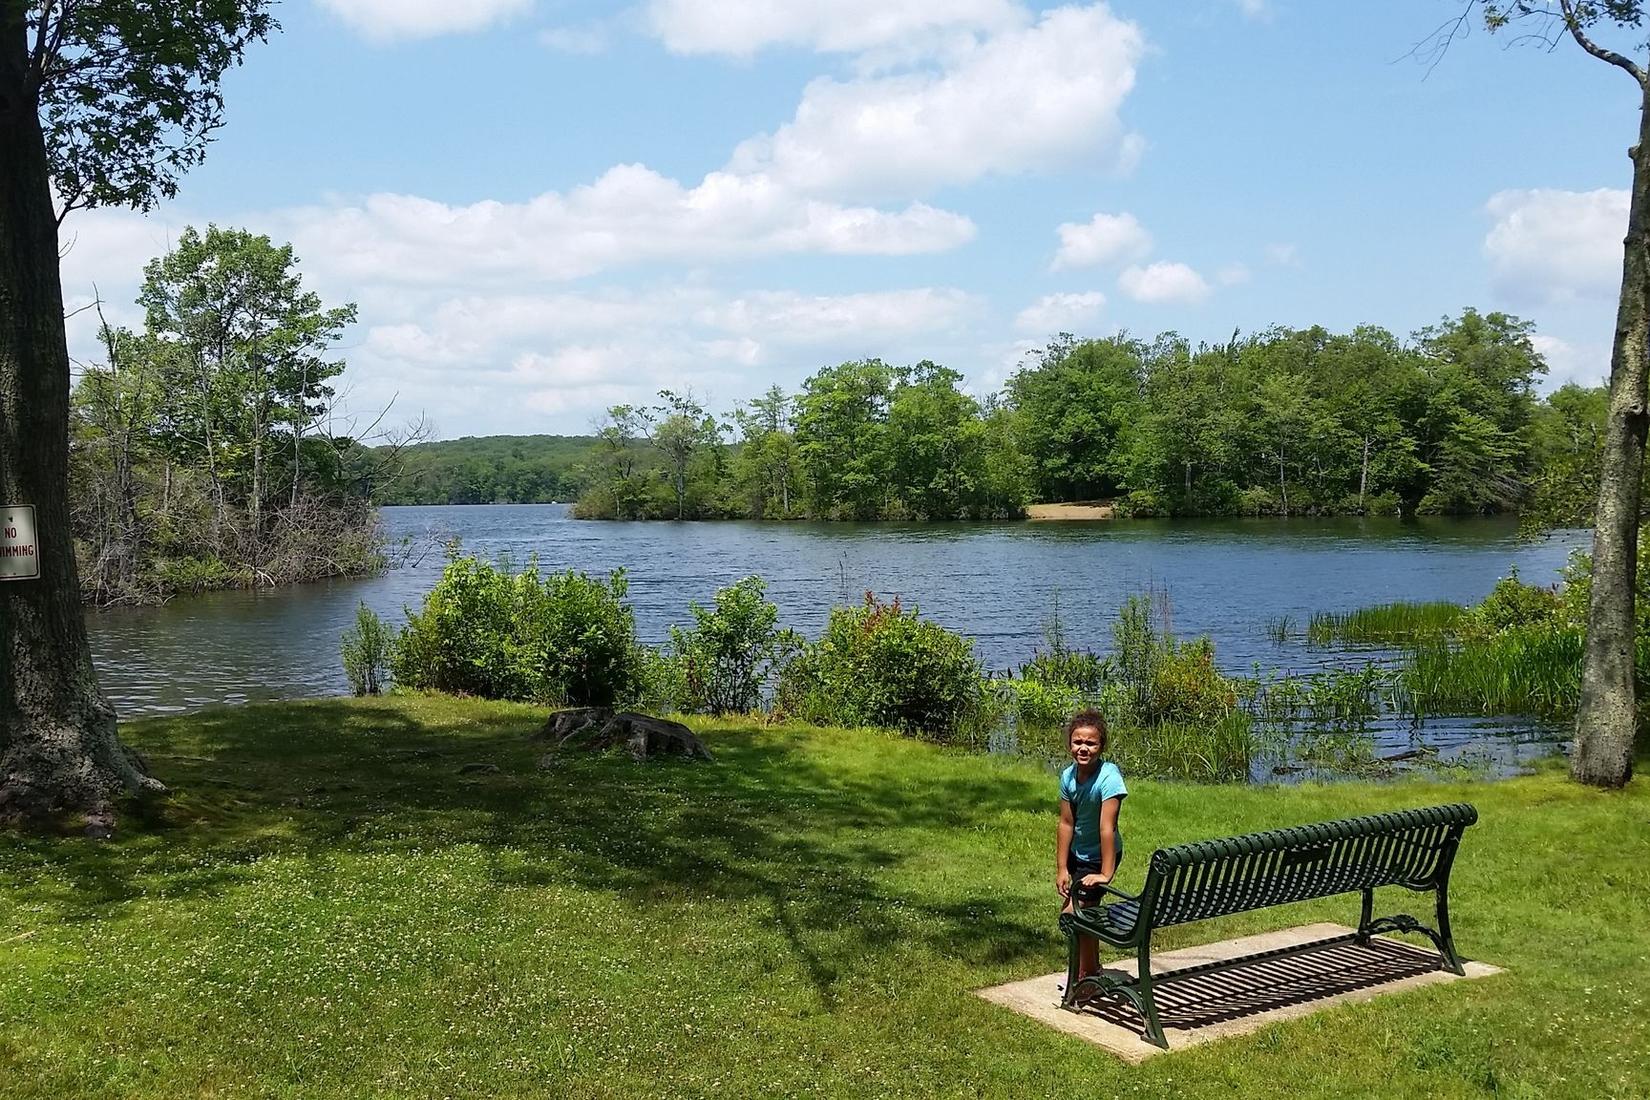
[(507, 632)]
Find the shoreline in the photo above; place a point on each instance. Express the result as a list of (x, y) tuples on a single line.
[(1076, 510)]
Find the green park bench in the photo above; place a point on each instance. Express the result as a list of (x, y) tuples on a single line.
[(1215, 878)]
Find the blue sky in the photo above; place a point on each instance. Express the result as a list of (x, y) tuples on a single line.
[(545, 207)]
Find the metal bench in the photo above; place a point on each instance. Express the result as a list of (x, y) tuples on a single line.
[(1215, 878)]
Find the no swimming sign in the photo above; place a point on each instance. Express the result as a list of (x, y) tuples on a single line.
[(19, 551)]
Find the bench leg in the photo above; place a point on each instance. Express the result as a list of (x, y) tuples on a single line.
[(1148, 1003), (1068, 999), (1446, 942), (1367, 916)]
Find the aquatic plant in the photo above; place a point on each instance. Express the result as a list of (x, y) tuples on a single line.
[(1518, 671), (1388, 623)]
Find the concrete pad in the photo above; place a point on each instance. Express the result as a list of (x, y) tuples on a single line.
[(1248, 996)]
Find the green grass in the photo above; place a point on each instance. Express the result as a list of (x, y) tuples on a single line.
[(1386, 623), (327, 908)]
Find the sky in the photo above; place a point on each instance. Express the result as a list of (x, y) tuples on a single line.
[(546, 207)]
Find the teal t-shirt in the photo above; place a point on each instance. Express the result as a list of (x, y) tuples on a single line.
[(1085, 799)]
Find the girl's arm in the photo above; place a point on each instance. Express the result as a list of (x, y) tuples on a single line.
[(1108, 838), (1062, 847)]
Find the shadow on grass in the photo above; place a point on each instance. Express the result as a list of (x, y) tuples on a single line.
[(769, 822)]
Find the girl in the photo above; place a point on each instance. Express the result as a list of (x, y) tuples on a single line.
[(1089, 845)]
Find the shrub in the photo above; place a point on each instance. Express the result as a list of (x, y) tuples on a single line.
[(1219, 751), (724, 662), (1512, 603), (661, 685), (1186, 687), (1160, 679), (1257, 501), (365, 648), (1039, 703), (1142, 504), (201, 575), (582, 638), (1077, 669), (488, 631), (880, 665), (465, 640)]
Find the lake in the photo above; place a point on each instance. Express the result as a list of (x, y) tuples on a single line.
[(995, 582)]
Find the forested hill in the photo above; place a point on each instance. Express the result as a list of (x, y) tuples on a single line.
[(493, 469)]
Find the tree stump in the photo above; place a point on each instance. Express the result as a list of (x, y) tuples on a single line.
[(596, 729)]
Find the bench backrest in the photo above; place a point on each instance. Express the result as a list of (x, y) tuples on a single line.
[(1213, 878)]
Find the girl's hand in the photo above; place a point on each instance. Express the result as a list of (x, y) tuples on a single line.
[(1062, 883), (1096, 880)]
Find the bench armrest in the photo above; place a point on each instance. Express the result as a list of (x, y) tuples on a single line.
[(1076, 903)]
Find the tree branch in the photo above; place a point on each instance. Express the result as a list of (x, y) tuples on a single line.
[(37, 55), (1574, 26)]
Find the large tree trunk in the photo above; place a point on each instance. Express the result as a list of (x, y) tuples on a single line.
[(58, 745), (1607, 718)]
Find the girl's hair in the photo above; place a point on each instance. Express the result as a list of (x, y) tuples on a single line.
[(1087, 718)]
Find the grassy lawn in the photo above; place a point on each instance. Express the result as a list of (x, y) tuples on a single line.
[(328, 908)]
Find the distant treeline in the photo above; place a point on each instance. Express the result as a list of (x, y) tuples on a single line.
[(1282, 422), (494, 469)]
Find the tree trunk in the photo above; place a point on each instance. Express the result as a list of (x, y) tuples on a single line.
[(1607, 717), (1283, 486), (58, 743), (255, 504), (1363, 476), (219, 506)]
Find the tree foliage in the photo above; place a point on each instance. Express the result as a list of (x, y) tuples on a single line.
[(129, 90), (1285, 421), (202, 455)]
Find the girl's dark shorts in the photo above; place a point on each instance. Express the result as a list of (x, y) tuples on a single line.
[(1077, 868)]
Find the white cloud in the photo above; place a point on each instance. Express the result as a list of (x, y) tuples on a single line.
[(587, 40), (1021, 100), (1233, 275), (1103, 239), (460, 310), (1283, 255), (1550, 246), (1163, 283), (1060, 312), (631, 215), (743, 27), (788, 317), (387, 20), (1587, 364), (469, 333), (1255, 9)]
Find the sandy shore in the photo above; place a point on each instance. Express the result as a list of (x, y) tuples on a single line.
[(1083, 509)]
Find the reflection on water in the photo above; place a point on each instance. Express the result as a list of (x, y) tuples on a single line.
[(993, 582)]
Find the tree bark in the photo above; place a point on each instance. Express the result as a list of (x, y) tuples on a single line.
[(58, 744), (1363, 476), (1283, 486), (1606, 719)]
